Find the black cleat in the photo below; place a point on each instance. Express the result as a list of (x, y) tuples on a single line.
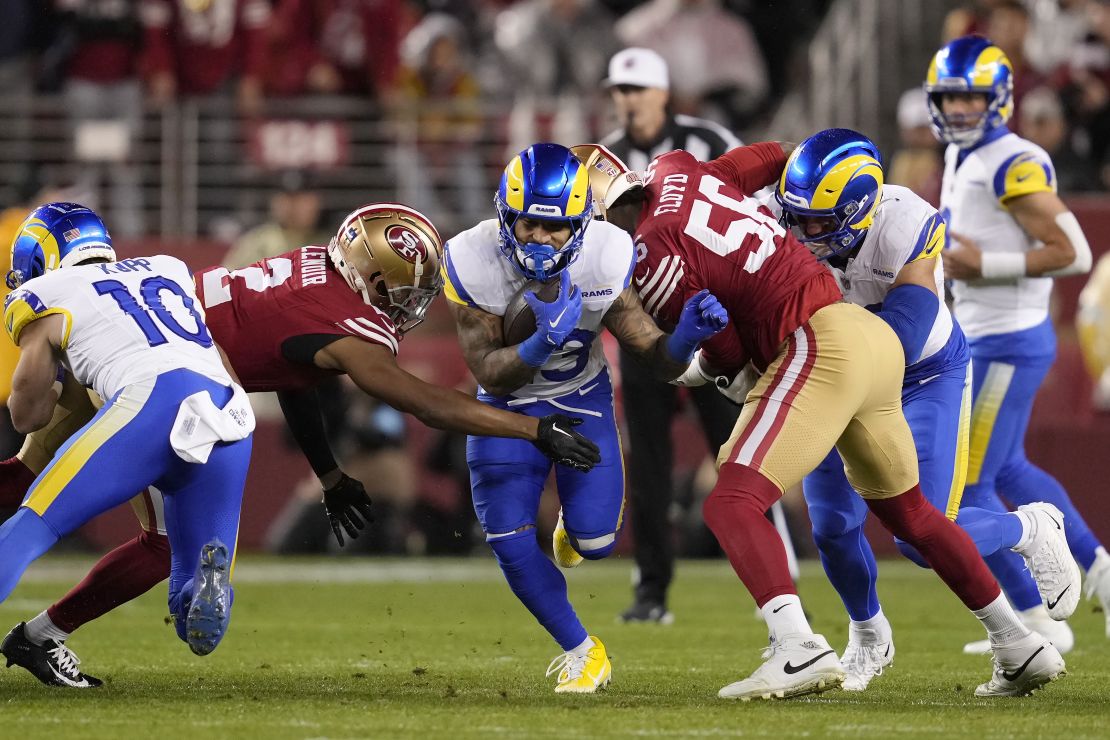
[(51, 662), (646, 611)]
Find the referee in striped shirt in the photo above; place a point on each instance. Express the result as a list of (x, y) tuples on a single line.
[(639, 84)]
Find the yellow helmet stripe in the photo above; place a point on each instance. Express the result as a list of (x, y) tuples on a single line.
[(514, 184), (982, 74), (828, 191), (576, 203)]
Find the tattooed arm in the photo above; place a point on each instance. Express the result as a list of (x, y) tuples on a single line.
[(638, 334), (499, 369)]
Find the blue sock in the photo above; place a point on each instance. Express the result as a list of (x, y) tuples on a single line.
[(1025, 483), (539, 585), (1009, 570), (23, 538), (850, 565), (991, 531)]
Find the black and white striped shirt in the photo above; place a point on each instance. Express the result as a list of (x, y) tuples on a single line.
[(704, 139)]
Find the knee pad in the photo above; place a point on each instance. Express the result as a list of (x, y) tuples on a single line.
[(513, 548), (594, 548), (829, 523)]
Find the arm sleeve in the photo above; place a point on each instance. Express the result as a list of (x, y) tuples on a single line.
[(302, 414), (910, 310), (750, 168)]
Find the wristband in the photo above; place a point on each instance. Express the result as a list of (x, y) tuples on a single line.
[(535, 350), (1003, 265)]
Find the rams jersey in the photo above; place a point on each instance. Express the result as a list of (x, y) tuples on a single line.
[(974, 195), (477, 275), (906, 229), (260, 313), (125, 321)]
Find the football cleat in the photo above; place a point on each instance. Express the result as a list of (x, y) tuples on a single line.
[(646, 611), (561, 548), (864, 659), (1022, 667), (1098, 584), (1036, 619), (1049, 560), (582, 674), (210, 609), (793, 665), (51, 662)]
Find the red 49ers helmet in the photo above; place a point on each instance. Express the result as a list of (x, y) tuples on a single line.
[(391, 254)]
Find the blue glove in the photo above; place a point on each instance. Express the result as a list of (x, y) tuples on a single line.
[(554, 322), (702, 317)]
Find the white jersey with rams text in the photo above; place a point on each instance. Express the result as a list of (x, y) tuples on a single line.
[(477, 275), (974, 195), (125, 321), (906, 229)]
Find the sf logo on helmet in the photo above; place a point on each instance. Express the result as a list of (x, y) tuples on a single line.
[(406, 243)]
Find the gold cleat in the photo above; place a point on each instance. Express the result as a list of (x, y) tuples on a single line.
[(582, 674), (565, 554)]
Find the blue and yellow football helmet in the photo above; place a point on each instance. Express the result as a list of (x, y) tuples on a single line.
[(836, 176), (970, 64), (57, 235), (544, 182)]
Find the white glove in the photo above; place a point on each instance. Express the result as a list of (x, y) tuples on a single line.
[(738, 390), (694, 375)]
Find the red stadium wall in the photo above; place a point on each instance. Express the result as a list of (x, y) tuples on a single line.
[(1066, 437)]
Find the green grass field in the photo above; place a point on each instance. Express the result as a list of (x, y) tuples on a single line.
[(428, 649)]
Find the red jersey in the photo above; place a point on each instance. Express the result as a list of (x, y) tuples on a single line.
[(700, 228), (254, 312)]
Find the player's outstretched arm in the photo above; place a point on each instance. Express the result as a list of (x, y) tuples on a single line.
[(33, 396), (374, 370), (669, 354)]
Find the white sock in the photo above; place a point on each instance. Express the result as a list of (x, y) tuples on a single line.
[(784, 616), (40, 629), (873, 631), (1026, 530), (582, 649), (1001, 622)]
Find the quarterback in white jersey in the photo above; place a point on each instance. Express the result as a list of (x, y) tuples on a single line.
[(545, 204), (172, 416), (1009, 235)]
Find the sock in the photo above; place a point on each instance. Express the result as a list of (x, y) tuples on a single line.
[(40, 629), (734, 512), (583, 648), (850, 566), (992, 531), (947, 548), (15, 480), (540, 587), (1001, 622), (784, 616), (124, 574), (1018, 585), (873, 631), (1025, 483)]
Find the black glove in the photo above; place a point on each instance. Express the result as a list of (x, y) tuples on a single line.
[(347, 507), (556, 439)]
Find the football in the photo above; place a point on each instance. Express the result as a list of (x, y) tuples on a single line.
[(519, 322)]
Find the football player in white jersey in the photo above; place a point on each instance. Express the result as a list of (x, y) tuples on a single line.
[(544, 206), (172, 417), (1009, 235), (883, 243)]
